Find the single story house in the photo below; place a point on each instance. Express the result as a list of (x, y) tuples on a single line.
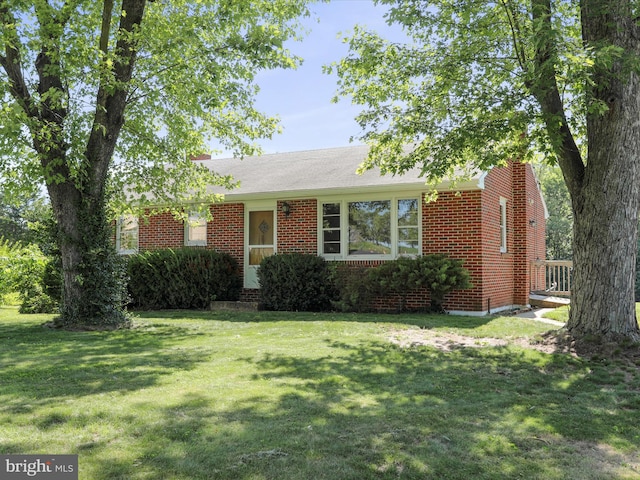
[(314, 202)]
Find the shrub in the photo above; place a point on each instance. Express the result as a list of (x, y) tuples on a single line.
[(354, 292), (184, 278), (22, 270), (52, 279), (6, 250), (295, 282), (398, 277), (437, 273), (441, 275)]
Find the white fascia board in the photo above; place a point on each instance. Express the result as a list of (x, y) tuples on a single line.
[(413, 189)]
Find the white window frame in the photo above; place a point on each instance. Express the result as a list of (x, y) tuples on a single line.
[(417, 227), (503, 225), (344, 225), (195, 220), (119, 223)]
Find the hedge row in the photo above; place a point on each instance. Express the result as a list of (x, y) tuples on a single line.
[(299, 282), (192, 278), (184, 278)]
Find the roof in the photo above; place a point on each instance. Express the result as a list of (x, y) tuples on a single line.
[(315, 172)]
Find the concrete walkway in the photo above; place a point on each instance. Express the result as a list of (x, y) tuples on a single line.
[(538, 314)]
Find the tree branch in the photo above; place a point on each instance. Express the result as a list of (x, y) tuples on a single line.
[(12, 62), (112, 93), (545, 90), (516, 34), (106, 25)]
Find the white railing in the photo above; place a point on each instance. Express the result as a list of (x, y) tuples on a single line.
[(552, 277)]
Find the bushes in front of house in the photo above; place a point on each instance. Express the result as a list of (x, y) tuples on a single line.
[(436, 273), (295, 282), (355, 293), (300, 282), (182, 278)]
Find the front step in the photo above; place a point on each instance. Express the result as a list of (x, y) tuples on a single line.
[(547, 301)]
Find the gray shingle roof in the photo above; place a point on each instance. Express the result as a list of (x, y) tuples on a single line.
[(310, 172)]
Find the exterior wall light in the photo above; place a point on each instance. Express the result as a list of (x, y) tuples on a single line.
[(286, 209)]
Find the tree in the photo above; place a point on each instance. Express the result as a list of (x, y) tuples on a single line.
[(560, 221), (479, 83), (99, 95), (15, 216)]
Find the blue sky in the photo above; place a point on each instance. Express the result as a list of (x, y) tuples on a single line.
[(302, 97)]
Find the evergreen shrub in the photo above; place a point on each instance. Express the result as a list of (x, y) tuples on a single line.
[(296, 282), (187, 278), (437, 273), (354, 292)]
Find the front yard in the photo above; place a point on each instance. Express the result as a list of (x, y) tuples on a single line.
[(267, 395)]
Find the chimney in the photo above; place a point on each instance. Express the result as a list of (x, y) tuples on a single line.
[(203, 156)]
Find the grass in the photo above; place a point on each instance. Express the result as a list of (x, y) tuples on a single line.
[(214, 395), (561, 314)]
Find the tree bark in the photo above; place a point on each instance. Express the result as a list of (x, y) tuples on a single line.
[(605, 213), (605, 204), (604, 189)]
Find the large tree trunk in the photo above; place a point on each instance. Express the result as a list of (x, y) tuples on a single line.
[(94, 286), (605, 242), (93, 279), (606, 197)]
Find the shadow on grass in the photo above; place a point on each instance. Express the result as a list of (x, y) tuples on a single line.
[(381, 412), (39, 365)]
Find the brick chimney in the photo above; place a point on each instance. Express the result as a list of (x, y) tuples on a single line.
[(203, 156)]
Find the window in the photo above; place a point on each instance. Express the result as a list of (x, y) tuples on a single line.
[(408, 231), (370, 228), (380, 228), (127, 235), (331, 228), (261, 236), (195, 230), (503, 225)]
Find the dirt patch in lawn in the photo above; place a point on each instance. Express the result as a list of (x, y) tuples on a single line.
[(451, 341), (557, 341)]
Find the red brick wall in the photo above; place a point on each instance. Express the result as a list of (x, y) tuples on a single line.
[(506, 275), (160, 231), (298, 232), (497, 274), (452, 225), (225, 233), (532, 241)]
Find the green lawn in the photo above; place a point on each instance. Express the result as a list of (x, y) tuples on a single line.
[(203, 395)]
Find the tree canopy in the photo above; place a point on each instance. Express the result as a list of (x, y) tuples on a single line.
[(462, 88), (191, 81)]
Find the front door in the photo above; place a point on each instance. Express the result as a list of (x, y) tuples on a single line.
[(260, 242)]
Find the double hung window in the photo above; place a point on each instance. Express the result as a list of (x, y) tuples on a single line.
[(195, 230), (127, 235)]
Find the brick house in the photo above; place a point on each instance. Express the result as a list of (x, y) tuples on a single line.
[(314, 202)]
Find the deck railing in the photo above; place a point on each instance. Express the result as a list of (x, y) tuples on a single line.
[(552, 277)]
